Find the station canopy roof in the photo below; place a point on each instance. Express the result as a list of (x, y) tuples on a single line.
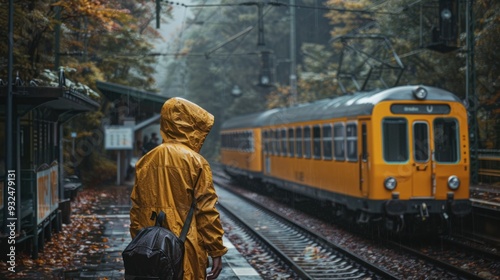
[(62, 101), (142, 105)]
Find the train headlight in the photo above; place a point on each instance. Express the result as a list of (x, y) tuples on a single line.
[(420, 93), (453, 182), (390, 183)]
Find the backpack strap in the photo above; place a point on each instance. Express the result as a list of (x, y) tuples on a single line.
[(187, 223), (162, 217), (159, 218), (189, 217)]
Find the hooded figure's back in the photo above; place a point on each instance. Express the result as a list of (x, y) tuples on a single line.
[(168, 175)]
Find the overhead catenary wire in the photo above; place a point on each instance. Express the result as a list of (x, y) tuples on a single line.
[(275, 3)]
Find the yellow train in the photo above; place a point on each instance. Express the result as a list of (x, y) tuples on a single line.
[(390, 155)]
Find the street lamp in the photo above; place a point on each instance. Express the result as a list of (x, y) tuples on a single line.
[(236, 91)]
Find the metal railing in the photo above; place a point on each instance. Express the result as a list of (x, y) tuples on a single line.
[(489, 166)]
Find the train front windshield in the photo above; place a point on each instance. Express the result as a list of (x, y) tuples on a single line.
[(446, 144), (444, 135)]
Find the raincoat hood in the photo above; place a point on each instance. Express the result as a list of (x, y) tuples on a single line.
[(185, 122)]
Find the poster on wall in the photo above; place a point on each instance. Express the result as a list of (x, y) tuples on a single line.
[(47, 186), (43, 192), (54, 186)]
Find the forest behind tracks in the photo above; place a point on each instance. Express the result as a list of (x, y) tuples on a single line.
[(444, 257)]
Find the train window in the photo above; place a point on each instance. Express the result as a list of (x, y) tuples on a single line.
[(234, 140), (307, 142), (395, 137), (327, 141), (242, 141), (446, 142), (291, 142), (352, 141), (238, 141), (249, 141), (298, 141), (276, 142), (364, 143), (284, 140), (421, 141), (339, 141), (271, 142), (316, 142), (266, 142)]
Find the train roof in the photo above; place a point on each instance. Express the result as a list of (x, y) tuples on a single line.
[(358, 104)]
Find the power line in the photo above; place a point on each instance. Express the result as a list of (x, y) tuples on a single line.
[(279, 4)]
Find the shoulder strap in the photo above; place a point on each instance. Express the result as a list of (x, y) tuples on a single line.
[(162, 217), (187, 223)]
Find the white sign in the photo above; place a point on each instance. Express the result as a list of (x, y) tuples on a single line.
[(119, 138)]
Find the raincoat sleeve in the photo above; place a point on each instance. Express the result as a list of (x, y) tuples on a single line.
[(207, 216)]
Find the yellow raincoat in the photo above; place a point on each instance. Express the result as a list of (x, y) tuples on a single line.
[(165, 180)]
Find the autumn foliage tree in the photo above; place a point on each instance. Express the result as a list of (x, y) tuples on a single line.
[(92, 40)]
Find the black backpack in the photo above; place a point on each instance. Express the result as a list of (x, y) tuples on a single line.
[(156, 252)]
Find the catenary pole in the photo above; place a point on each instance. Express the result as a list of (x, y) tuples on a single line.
[(293, 57), (9, 133)]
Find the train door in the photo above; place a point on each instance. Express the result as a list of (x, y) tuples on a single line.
[(422, 160), (364, 165), (445, 148), (267, 139)]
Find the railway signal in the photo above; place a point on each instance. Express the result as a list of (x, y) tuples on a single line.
[(266, 78), (447, 20)]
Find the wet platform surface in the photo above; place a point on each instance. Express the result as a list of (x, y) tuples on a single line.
[(108, 263)]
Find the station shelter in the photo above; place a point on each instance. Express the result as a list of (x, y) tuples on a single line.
[(39, 113), (135, 109)]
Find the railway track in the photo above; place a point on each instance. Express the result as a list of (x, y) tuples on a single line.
[(456, 260), (309, 255), (461, 260)]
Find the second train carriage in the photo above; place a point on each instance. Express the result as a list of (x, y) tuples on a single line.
[(398, 153)]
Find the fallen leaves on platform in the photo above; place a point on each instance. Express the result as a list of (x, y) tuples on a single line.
[(68, 249)]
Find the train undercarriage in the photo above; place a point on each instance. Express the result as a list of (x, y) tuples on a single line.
[(423, 217)]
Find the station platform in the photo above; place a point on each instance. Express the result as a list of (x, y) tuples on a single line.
[(90, 245), (235, 266), (107, 263)]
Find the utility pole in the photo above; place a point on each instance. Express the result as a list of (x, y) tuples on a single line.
[(260, 42), (293, 56), (10, 188), (57, 39), (265, 77), (471, 96)]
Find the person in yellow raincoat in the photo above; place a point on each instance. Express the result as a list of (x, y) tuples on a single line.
[(165, 180)]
